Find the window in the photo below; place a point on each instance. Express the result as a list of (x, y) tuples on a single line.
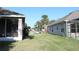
[(62, 30), (52, 30), (57, 27)]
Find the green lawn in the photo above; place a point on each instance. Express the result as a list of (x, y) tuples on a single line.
[(45, 42)]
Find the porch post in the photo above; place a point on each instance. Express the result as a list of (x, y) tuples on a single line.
[(75, 30), (20, 29), (66, 28), (5, 26)]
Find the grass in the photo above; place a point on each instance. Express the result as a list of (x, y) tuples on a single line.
[(45, 42)]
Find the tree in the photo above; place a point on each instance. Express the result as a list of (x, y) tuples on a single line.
[(29, 27), (45, 19), (40, 24)]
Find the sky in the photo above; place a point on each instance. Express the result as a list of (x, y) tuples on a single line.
[(33, 14)]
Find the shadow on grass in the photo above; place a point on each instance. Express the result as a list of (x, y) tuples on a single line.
[(29, 37), (6, 45)]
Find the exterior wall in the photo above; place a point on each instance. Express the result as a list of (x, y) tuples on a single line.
[(56, 28), (9, 38), (67, 30), (49, 29)]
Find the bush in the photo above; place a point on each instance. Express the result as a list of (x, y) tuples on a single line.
[(25, 32)]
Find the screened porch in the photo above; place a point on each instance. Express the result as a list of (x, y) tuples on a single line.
[(8, 27), (73, 28)]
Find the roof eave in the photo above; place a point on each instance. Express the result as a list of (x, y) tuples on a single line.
[(12, 16)]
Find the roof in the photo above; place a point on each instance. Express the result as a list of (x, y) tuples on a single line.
[(5, 12), (71, 16)]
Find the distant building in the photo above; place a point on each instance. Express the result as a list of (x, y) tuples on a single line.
[(11, 25), (66, 26)]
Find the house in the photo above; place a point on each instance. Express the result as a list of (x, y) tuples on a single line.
[(67, 26), (11, 25)]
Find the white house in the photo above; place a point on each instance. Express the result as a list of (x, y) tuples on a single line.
[(11, 25), (66, 26)]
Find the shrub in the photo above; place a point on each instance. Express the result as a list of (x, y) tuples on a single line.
[(25, 31)]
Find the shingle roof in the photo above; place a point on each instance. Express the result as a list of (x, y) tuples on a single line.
[(70, 16), (8, 12)]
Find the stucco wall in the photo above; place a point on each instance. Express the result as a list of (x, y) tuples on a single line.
[(57, 30)]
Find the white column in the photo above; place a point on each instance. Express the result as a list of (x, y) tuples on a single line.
[(20, 29), (66, 30)]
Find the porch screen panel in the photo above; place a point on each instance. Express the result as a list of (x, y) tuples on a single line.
[(78, 27), (2, 27), (75, 28), (12, 28)]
